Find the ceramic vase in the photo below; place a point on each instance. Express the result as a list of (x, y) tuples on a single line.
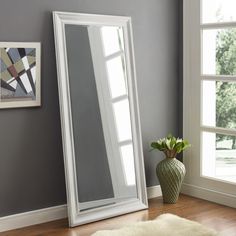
[(170, 173)]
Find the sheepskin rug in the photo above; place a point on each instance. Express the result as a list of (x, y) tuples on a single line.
[(164, 225)]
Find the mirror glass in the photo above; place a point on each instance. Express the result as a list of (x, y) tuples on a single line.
[(99, 114), (104, 168)]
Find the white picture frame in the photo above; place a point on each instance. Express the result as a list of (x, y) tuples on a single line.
[(20, 71)]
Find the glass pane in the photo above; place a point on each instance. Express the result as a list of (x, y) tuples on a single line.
[(113, 40), (122, 119), (218, 11), (219, 104), (209, 103), (116, 77), (127, 155), (219, 52), (219, 156)]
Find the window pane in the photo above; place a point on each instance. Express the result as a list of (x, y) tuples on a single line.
[(219, 52), (219, 156), (122, 119), (219, 104), (113, 40), (127, 155), (218, 11), (116, 77), (209, 103)]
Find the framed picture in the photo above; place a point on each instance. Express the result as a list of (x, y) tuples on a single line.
[(20, 74)]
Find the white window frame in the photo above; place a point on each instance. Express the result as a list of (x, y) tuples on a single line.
[(195, 183)]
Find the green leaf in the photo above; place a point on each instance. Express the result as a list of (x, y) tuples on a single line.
[(178, 147), (172, 143), (156, 145)]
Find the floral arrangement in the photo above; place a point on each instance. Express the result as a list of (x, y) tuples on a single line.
[(170, 145)]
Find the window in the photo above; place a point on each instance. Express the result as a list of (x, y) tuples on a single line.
[(218, 111), (209, 119)]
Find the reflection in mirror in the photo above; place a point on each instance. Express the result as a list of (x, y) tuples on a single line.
[(92, 168), (112, 175), (116, 77), (102, 141), (112, 39)]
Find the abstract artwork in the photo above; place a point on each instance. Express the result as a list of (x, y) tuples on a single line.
[(19, 74)]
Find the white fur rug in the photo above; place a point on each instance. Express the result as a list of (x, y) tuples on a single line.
[(164, 225)]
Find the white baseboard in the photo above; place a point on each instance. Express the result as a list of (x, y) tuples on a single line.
[(210, 195), (32, 217), (49, 214), (154, 191)]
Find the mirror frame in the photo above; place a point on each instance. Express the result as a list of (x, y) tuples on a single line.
[(60, 19)]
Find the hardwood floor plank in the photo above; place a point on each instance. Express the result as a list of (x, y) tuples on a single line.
[(218, 217)]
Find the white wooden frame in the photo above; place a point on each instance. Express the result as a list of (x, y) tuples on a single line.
[(195, 183), (26, 103), (76, 217)]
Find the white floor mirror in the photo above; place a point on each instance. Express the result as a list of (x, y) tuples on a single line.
[(99, 116)]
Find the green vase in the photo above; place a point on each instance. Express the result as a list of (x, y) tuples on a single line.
[(170, 173)]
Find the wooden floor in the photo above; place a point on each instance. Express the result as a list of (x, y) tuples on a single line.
[(221, 218)]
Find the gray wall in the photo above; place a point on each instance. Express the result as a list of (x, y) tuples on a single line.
[(93, 174), (31, 161)]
